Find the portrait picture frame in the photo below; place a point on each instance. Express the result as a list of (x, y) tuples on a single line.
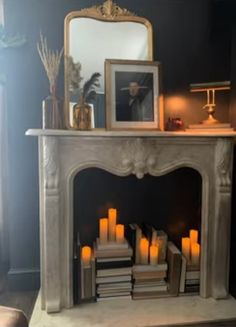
[(133, 95)]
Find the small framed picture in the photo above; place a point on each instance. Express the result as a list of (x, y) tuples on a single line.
[(132, 95)]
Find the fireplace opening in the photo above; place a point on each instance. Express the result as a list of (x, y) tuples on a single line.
[(171, 203)]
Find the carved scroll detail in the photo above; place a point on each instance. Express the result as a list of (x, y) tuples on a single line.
[(51, 163), (107, 10), (223, 163), (138, 157)]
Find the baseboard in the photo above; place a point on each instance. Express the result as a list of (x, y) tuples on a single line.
[(23, 279)]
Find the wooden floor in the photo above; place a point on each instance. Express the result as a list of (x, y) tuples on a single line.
[(19, 300)]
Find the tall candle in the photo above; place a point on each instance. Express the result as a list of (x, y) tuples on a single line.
[(86, 255), (186, 247), (103, 230), (143, 248), (193, 236), (195, 254), (112, 214), (120, 231), (153, 255)]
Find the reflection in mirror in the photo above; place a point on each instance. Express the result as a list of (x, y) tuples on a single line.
[(91, 38), (122, 40)]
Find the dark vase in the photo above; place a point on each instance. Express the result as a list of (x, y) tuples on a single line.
[(53, 113)]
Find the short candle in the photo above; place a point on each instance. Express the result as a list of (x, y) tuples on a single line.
[(103, 230), (193, 236), (120, 231), (112, 214), (186, 247), (86, 255), (143, 248), (195, 254), (153, 255)]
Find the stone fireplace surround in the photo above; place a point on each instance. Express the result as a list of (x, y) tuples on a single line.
[(62, 154)]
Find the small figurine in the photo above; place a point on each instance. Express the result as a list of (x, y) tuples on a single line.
[(174, 124)]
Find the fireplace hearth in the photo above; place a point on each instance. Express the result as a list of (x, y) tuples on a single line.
[(62, 154)]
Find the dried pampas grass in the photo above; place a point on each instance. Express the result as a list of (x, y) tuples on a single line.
[(51, 61)]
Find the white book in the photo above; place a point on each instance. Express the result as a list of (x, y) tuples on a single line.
[(153, 284), (111, 245), (114, 285), (100, 280), (114, 272), (123, 297), (150, 268), (193, 275), (114, 294), (116, 259), (183, 275), (109, 291), (160, 288)]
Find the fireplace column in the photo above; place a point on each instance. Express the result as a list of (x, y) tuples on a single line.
[(50, 217), (221, 232)]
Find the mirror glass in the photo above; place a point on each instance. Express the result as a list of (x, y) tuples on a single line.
[(89, 41)]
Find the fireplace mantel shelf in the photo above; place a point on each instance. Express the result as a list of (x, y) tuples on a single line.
[(105, 133), (63, 153)]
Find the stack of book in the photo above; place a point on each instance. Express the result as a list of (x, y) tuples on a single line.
[(113, 270), (192, 279), (149, 281)]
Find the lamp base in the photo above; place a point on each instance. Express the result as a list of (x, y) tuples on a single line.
[(211, 121)]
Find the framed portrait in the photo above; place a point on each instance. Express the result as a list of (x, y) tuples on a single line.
[(133, 99)]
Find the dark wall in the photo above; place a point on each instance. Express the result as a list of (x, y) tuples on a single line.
[(184, 41)]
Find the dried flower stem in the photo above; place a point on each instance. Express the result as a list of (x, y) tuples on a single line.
[(51, 62)]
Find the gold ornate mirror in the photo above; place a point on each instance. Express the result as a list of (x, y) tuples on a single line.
[(95, 34)]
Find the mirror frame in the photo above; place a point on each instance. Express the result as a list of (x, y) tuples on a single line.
[(107, 12)]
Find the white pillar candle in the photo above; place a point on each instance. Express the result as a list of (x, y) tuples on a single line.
[(153, 255), (86, 256), (103, 230), (193, 236), (143, 248), (120, 231), (186, 247), (195, 254), (112, 214)]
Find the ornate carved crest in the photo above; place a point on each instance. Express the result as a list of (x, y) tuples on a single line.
[(139, 157), (108, 9)]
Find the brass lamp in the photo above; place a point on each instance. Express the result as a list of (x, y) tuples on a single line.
[(210, 89)]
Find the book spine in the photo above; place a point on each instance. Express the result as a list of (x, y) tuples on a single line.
[(182, 274), (88, 287), (162, 240), (77, 270), (174, 263), (137, 242), (130, 233)]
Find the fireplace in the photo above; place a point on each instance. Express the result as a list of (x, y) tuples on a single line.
[(62, 154)]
